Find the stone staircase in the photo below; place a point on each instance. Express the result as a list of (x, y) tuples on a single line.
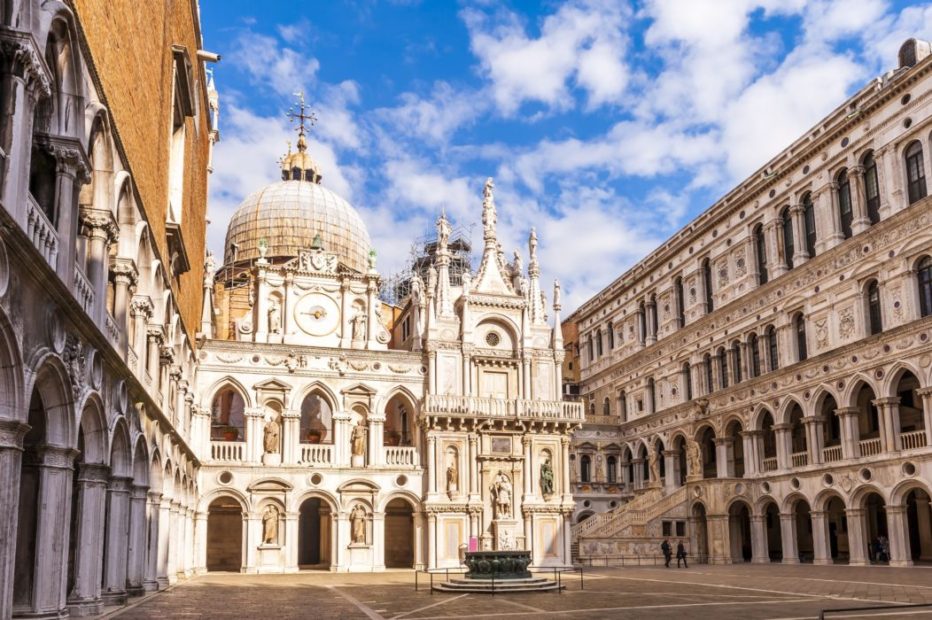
[(487, 586), (629, 520)]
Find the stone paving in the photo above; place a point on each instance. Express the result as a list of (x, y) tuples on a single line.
[(720, 592)]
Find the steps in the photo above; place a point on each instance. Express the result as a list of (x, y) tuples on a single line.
[(484, 586)]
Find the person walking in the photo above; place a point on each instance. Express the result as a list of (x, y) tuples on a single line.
[(681, 554), (667, 552)]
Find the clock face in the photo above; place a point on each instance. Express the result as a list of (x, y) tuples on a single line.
[(317, 314)]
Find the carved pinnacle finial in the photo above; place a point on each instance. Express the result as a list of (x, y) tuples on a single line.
[(300, 114)]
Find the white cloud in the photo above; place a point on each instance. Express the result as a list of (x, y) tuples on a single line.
[(583, 41), (283, 69), (435, 118)]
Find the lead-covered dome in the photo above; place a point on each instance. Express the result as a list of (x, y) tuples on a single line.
[(289, 215)]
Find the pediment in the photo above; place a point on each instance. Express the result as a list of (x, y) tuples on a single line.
[(270, 485), (272, 385), (359, 486), (360, 389)]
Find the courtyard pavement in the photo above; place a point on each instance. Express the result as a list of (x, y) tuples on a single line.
[(720, 592)]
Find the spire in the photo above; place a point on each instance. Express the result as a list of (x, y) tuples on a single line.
[(489, 217), (535, 298), (493, 276), (444, 300), (299, 166), (557, 327)]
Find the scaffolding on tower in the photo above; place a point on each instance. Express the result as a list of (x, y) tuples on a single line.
[(397, 286)]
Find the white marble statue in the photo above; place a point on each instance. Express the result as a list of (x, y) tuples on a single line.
[(270, 525), (358, 523), (501, 494)]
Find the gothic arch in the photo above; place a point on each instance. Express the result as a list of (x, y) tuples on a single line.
[(892, 379), (322, 390), (226, 382), (757, 417), (822, 498), (849, 397), (11, 368), (53, 387), (93, 425), (155, 471), (817, 399), (398, 390), (66, 71), (141, 463), (783, 413), (700, 431), (121, 462)]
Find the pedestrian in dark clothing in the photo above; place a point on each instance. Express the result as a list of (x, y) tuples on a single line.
[(681, 554), (667, 552)]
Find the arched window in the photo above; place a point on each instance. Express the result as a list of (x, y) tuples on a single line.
[(845, 214), (317, 420), (871, 187), (773, 357), (591, 349), (585, 468), (809, 224), (652, 394), (786, 218), (760, 249), (754, 353), (227, 421), (874, 316), (722, 368), (598, 342), (642, 323), (915, 173), (736, 353), (623, 405), (678, 302), (687, 381), (592, 408), (799, 324), (924, 277), (606, 407), (610, 332), (707, 284), (654, 331), (611, 465), (709, 381)]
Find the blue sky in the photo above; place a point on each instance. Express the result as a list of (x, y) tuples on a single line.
[(607, 125)]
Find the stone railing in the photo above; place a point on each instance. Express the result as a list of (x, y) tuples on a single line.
[(769, 464), (83, 291), (501, 407), (227, 451), (870, 447), (832, 453), (799, 459), (913, 439), (400, 456), (316, 454), (41, 232), (113, 332)]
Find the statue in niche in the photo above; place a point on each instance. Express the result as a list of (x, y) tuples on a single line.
[(359, 325), (546, 478), (358, 522), (653, 464), (359, 440), (271, 436), (270, 525), (453, 478), (275, 317), (501, 494)]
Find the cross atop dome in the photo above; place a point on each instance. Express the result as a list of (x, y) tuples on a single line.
[(299, 166)]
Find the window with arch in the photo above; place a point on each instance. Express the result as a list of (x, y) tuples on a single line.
[(611, 336), (799, 325), (786, 220), (227, 416), (606, 406), (809, 224), (924, 278), (679, 302), (611, 466), (399, 422), (874, 316), (753, 356), (598, 342), (736, 354), (687, 381), (707, 285), (707, 365), (653, 316), (871, 187), (760, 251), (773, 354), (623, 405), (843, 193), (591, 349), (652, 394), (592, 408), (585, 468), (722, 356), (316, 419), (915, 173)]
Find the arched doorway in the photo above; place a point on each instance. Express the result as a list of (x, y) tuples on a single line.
[(399, 534), (804, 540), (224, 535), (919, 525), (774, 535), (700, 533), (837, 530), (739, 532), (707, 450), (314, 534), (876, 535), (679, 461)]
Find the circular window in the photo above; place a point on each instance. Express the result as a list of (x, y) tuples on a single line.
[(866, 474), (909, 469), (905, 99), (907, 123), (613, 503), (828, 480), (844, 142), (225, 477), (401, 480), (765, 487), (794, 483), (587, 503), (316, 479), (493, 339)]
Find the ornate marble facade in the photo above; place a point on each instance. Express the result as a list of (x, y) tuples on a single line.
[(759, 386)]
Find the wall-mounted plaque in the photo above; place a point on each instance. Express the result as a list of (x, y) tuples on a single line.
[(501, 445)]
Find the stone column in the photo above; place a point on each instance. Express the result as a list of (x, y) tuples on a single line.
[(926, 395), (173, 550), (567, 489), (723, 468), (760, 554), (11, 453), (378, 541), (860, 221), (822, 553), (432, 465), (52, 529), (288, 310), (136, 553), (431, 540), (419, 563), (718, 539), (150, 579), (114, 583), (800, 252), (671, 469), (341, 438), (783, 437), (164, 575), (154, 341), (788, 537), (290, 544), (376, 438), (638, 465), (889, 410), (751, 462), (261, 322), (98, 226), (835, 236), (291, 436), (200, 543), (124, 277), (857, 541), (528, 474), (189, 543), (84, 598), (898, 529), (471, 472), (850, 433), (253, 536), (814, 439), (141, 309), (254, 418), (651, 319), (776, 267)]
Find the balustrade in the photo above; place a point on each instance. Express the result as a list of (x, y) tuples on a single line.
[(501, 407), (870, 447), (316, 454), (40, 230), (913, 439), (113, 332), (404, 456), (83, 291), (227, 451), (832, 453), (769, 464), (799, 459)]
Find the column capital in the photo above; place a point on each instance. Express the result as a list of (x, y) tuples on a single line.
[(854, 512), (56, 457), (782, 427), (926, 391), (887, 400), (12, 433), (139, 492), (894, 510), (23, 60), (99, 224), (120, 484), (124, 270), (93, 473), (847, 411), (141, 305), (155, 497), (812, 420)]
